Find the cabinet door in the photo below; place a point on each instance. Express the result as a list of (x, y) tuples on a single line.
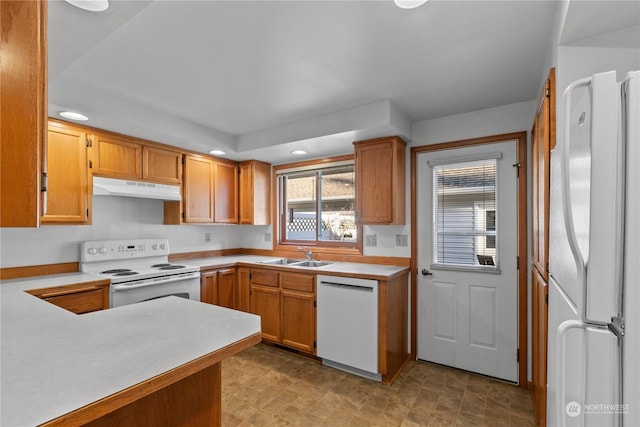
[(161, 165), (299, 320), (539, 333), (23, 109), (542, 141), (227, 287), (209, 287), (116, 158), (255, 193), (265, 302), (64, 162), (198, 189), (380, 181), (226, 193), (243, 296)]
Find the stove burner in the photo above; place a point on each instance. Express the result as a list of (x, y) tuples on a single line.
[(171, 267), (126, 273), (117, 270), (160, 265)]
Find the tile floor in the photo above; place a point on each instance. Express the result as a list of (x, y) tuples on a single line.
[(268, 386)]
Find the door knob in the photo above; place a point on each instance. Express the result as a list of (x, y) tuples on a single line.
[(426, 272)]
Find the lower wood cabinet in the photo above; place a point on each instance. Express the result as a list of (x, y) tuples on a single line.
[(243, 301), (539, 333), (286, 303), (78, 298), (219, 287)]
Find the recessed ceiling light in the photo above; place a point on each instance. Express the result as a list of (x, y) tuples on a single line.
[(217, 152), (90, 5), (74, 116), (298, 152), (409, 4)]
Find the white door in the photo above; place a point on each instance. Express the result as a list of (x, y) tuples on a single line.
[(467, 248)]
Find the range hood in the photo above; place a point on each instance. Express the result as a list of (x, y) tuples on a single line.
[(128, 188)]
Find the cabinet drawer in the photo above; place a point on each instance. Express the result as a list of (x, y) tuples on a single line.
[(264, 278), (80, 302), (297, 282)]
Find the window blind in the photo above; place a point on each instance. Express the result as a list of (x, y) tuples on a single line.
[(464, 214)]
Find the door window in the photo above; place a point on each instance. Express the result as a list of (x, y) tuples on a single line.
[(464, 220)]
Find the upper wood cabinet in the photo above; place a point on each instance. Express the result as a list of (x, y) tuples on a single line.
[(65, 190), (255, 193), (380, 181), (23, 109), (225, 194), (542, 141), (116, 158), (198, 189), (160, 165)]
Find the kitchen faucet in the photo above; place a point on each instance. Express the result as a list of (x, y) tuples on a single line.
[(307, 252)]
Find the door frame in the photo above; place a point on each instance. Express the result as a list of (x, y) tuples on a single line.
[(521, 138)]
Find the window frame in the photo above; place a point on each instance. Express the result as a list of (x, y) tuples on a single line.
[(279, 210)]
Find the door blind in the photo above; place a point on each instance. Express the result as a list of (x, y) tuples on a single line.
[(464, 214)]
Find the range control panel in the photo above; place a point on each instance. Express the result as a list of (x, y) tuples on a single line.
[(108, 250)]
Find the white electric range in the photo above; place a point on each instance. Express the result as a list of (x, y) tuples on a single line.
[(139, 270)]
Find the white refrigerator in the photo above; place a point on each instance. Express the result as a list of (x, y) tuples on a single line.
[(593, 376)]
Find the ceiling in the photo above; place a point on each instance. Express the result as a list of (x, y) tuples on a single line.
[(260, 78)]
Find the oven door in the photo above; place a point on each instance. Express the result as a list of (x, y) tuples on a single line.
[(185, 285)]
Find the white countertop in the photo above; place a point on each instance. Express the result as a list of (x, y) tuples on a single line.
[(54, 361), (374, 271)]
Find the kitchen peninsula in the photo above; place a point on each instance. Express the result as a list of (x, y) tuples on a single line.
[(157, 361)]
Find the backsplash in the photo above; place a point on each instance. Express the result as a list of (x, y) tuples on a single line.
[(114, 218)]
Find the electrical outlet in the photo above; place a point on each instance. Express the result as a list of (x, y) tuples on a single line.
[(207, 237), (267, 237), (371, 240), (401, 240)]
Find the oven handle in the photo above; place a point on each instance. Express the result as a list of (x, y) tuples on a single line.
[(156, 281)]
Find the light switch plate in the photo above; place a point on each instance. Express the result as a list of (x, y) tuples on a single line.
[(371, 240), (402, 240)]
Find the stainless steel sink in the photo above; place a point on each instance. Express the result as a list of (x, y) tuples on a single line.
[(311, 264), (283, 261)]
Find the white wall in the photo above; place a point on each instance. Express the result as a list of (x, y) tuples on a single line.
[(115, 218)]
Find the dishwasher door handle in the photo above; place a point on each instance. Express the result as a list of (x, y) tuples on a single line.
[(347, 286)]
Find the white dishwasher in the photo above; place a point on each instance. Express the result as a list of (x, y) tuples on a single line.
[(347, 317)]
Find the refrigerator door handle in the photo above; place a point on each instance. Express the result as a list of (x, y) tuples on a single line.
[(566, 185), (561, 359)]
